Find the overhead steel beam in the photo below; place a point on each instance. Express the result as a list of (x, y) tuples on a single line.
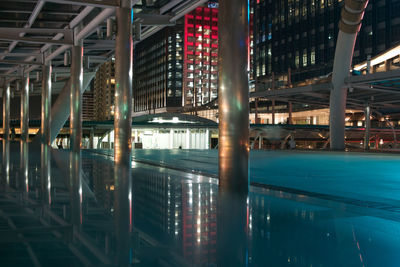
[(14, 34), (88, 29), (374, 77), (86, 11), (153, 19), (170, 5), (325, 87), (3, 55), (19, 62), (31, 20), (179, 12), (93, 3), (378, 89)]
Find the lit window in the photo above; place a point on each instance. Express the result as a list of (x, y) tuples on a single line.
[(305, 58)]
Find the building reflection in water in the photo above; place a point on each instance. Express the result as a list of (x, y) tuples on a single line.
[(182, 219)]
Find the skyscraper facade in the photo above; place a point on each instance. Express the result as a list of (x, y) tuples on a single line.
[(104, 89), (301, 36), (158, 70), (200, 69), (175, 69), (88, 111)]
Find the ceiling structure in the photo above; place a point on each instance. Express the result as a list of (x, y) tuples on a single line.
[(380, 90), (33, 32)]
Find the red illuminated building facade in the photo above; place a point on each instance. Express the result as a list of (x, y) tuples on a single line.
[(200, 71), (176, 70)]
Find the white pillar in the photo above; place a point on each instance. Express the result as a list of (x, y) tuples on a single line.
[(187, 139), (171, 139), (207, 143), (136, 136)]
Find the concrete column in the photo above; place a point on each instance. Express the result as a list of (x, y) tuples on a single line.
[(123, 132), (233, 96), (75, 124), (6, 111), (45, 130), (25, 108), (367, 112), (349, 25), (260, 140), (290, 113)]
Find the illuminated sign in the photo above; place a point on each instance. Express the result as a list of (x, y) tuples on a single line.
[(212, 4)]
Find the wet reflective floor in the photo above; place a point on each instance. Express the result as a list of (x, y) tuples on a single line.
[(58, 208)]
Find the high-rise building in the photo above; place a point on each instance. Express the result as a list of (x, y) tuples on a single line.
[(158, 68), (200, 68), (104, 88), (301, 36), (176, 69)]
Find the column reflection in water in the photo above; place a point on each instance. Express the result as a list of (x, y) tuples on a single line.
[(233, 95), (45, 173), (6, 162), (123, 132), (24, 166), (232, 229), (75, 185)]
